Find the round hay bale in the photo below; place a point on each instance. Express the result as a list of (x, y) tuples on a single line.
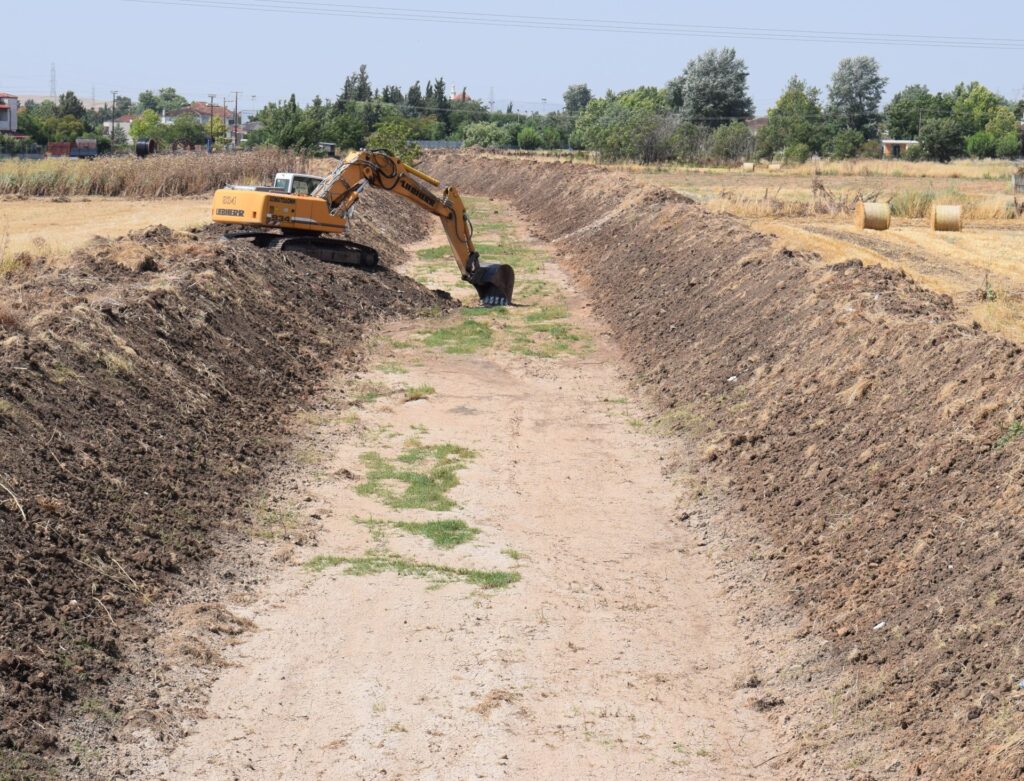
[(775, 167), (748, 168), (873, 216), (947, 218)]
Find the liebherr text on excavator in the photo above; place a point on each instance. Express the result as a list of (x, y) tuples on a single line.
[(276, 219)]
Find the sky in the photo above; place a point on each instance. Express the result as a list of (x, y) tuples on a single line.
[(132, 45)]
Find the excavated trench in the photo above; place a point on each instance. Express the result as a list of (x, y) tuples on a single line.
[(145, 385), (867, 443)]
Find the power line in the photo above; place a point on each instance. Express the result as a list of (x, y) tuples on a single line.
[(433, 16)]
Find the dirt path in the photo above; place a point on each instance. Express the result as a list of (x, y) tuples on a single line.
[(561, 625)]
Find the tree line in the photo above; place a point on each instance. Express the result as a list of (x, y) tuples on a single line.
[(701, 115)]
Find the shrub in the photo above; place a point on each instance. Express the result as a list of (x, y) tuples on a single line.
[(845, 144), (797, 153), (529, 138), (941, 139), (731, 142), (1008, 145), (981, 144), (486, 134), (914, 153), (871, 149)]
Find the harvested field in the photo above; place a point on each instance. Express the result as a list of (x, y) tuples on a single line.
[(146, 384), (52, 228), (869, 444)]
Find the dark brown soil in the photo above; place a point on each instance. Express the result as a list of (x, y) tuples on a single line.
[(144, 387), (869, 443)]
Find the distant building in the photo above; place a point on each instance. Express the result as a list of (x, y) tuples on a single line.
[(202, 111), (460, 96), (895, 148), (8, 113), (123, 122)]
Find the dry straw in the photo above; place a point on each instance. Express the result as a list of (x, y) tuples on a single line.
[(947, 217), (873, 216), (158, 176), (748, 168), (775, 167)]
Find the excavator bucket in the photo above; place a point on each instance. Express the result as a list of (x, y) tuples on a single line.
[(494, 283)]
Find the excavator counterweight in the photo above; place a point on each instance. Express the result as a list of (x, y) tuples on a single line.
[(302, 219)]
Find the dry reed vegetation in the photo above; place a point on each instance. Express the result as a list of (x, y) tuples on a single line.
[(159, 176)]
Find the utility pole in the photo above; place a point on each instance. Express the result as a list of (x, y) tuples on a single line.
[(234, 127), (113, 112)]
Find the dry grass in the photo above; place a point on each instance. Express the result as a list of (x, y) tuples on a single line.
[(42, 227), (159, 176)]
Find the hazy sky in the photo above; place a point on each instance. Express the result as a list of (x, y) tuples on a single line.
[(129, 46)]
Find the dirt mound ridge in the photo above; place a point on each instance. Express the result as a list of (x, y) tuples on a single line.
[(870, 442), (144, 385)]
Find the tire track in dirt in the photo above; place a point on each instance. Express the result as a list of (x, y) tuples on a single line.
[(616, 654)]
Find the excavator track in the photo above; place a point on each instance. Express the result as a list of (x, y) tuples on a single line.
[(340, 252)]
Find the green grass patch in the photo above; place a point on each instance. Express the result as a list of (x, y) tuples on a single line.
[(444, 534), (375, 562), (401, 486), (512, 553), (462, 338), (546, 313), (434, 253), (393, 368), (418, 392), (547, 340), (1015, 430)]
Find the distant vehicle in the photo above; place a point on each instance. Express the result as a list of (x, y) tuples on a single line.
[(84, 148)]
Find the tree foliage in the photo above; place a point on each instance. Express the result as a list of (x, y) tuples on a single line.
[(796, 119), (855, 94), (712, 89), (576, 97)]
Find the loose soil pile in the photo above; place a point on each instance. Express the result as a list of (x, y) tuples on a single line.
[(144, 388), (872, 444)]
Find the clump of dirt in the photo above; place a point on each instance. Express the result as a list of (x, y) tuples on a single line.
[(873, 445), (145, 385)]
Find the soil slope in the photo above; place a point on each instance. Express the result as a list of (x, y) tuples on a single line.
[(869, 443), (142, 391)]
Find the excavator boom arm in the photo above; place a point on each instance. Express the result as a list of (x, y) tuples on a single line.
[(382, 170)]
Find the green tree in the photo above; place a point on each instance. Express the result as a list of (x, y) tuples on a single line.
[(846, 143), (529, 138), (576, 97), (357, 86), (486, 135), (68, 104), (633, 125), (67, 128), (981, 144), (731, 143), (973, 106), (395, 135), (147, 125), (795, 119), (908, 110), (712, 89), (1008, 146), (414, 97), (855, 94), (941, 139)]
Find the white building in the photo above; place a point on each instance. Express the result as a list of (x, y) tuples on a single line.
[(8, 113), (123, 122)]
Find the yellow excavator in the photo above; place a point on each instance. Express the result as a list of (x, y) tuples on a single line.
[(274, 218)]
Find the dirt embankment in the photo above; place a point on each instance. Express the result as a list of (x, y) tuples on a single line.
[(869, 442), (144, 388)]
